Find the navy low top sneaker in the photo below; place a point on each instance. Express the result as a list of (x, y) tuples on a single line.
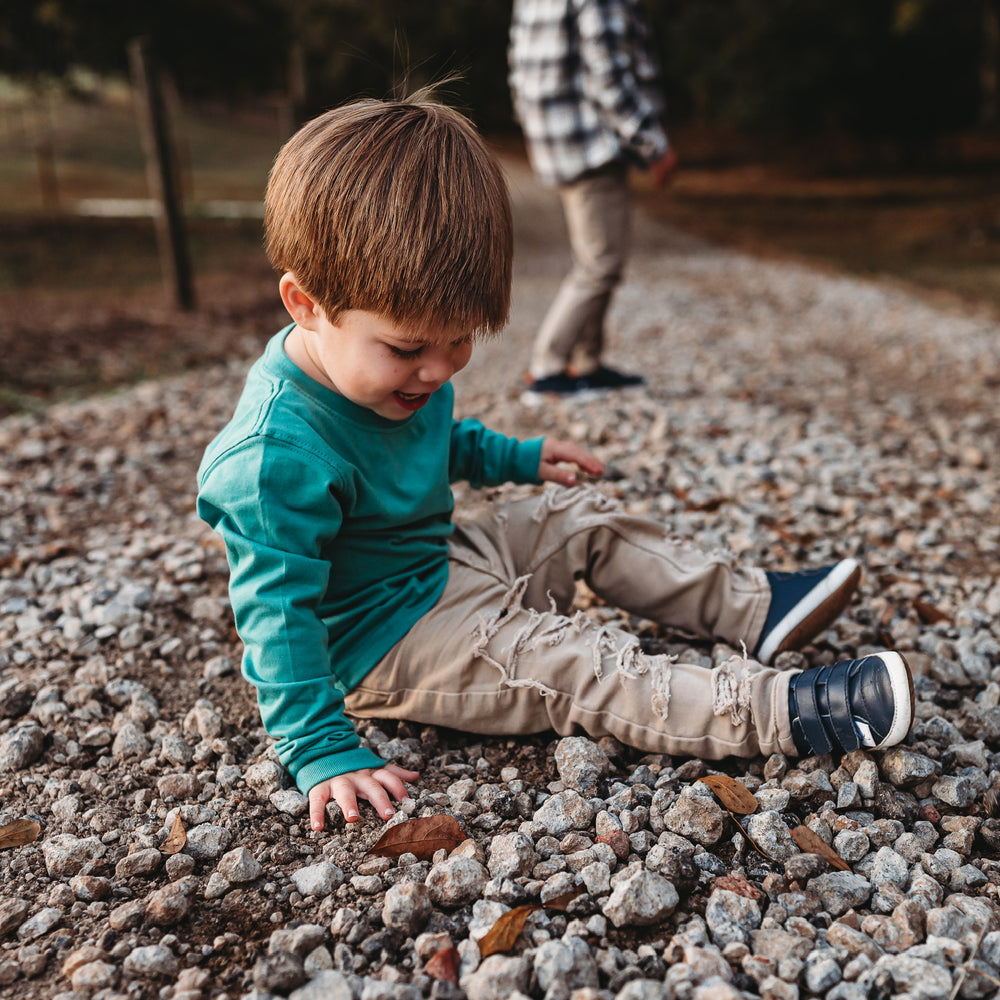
[(855, 703), (560, 384), (803, 604), (595, 383), (609, 378)]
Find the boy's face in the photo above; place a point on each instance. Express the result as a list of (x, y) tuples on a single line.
[(375, 363)]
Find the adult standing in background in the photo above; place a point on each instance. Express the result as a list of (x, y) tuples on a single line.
[(584, 82)]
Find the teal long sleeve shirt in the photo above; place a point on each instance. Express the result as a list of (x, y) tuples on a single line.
[(336, 524)]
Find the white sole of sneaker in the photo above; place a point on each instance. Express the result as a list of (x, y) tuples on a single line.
[(901, 681), (823, 590), (532, 398)]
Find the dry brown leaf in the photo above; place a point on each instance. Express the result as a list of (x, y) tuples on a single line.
[(812, 843), (503, 935), (443, 964), (19, 833), (422, 836), (929, 614), (176, 839), (709, 506), (561, 903), (735, 797)]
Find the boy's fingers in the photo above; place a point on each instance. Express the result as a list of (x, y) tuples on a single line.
[(393, 784), (319, 795), (401, 772), (377, 796), (574, 453), (375, 786), (345, 797)]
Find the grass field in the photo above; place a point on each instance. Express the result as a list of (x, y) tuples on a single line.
[(938, 231), (83, 305)]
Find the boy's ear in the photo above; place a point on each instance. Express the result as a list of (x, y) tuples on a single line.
[(301, 306)]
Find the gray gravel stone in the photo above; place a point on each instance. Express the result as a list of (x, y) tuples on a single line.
[(151, 961), (581, 764), (564, 811), (456, 881), (639, 899), (407, 907), (566, 963), (21, 747), (318, 880), (207, 841)]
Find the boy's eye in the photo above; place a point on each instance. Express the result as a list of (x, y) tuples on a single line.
[(400, 353)]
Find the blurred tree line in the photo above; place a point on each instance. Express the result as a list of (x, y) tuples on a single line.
[(902, 71)]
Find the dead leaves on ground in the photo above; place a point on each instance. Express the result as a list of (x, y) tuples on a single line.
[(19, 833), (444, 965), (504, 933), (812, 843), (929, 614), (740, 801), (736, 797), (176, 839), (422, 837)]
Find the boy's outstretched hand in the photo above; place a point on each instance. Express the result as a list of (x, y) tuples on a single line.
[(373, 784), (557, 455)]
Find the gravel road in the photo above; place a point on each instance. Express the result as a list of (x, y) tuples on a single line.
[(791, 415)]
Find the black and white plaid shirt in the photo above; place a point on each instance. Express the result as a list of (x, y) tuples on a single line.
[(584, 82)]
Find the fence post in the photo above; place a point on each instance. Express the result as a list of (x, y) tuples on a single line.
[(45, 161), (161, 170)]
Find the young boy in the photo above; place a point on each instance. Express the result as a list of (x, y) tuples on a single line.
[(390, 225)]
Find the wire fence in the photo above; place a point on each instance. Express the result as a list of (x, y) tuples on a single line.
[(81, 153)]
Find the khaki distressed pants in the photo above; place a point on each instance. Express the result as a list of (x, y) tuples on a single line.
[(597, 210), (501, 654)]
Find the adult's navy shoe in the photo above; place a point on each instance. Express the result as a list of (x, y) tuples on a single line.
[(608, 378), (855, 703), (593, 383), (561, 384), (804, 603)]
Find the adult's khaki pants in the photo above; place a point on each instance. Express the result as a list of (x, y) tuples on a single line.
[(597, 210), (502, 653)]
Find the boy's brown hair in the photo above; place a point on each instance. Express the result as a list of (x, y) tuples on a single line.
[(398, 208)]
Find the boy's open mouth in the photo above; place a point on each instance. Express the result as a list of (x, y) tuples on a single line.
[(411, 400)]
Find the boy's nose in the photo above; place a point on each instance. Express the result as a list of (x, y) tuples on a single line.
[(438, 366)]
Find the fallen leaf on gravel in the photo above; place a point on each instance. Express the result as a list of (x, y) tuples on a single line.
[(561, 903), (706, 506), (19, 833), (812, 843), (735, 797), (505, 932), (176, 839), (443, 964), (421, 836), (929, 614)]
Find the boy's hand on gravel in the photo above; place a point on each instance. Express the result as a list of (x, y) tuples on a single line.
[(557, 455), (373, 784)]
